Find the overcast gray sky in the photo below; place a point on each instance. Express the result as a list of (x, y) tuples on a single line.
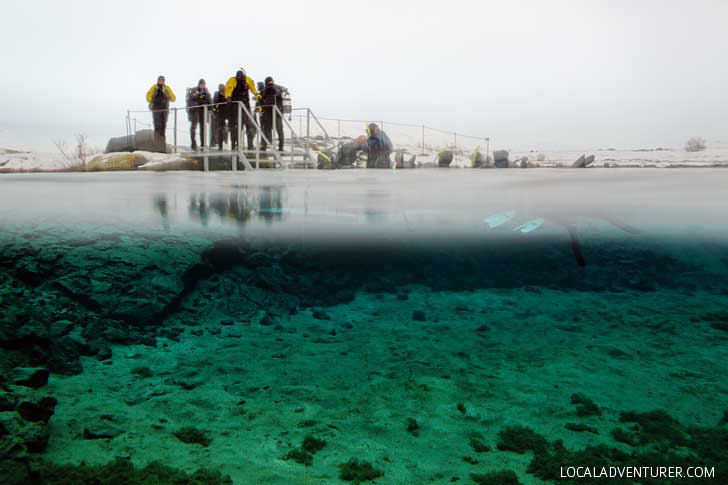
[(540, 73)]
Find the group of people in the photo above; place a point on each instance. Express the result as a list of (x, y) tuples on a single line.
[(224, 108)]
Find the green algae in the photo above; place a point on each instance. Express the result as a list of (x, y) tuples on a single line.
[(358, 471), (123, 472), (191, 435)]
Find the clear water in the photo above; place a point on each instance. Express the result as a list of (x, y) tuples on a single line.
[(418, 321)]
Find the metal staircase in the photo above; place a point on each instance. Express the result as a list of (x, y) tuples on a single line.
[(297, 151)]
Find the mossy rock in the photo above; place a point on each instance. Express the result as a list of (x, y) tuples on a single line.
[(115, 162)]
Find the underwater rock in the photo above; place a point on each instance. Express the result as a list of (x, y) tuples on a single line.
[(34, 377), (319, 314), (358, 471), (36, 409), (65, 357), (585, 406), (19, 437), (101, 430), (60, 328), (8, 401), (262, 318), (192, 435), (419, 316)]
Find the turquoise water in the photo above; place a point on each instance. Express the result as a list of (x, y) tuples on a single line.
[(434, 326)]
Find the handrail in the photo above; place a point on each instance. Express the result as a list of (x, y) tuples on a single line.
[(307, 113)]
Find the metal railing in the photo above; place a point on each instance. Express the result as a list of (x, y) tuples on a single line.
[(206, 127), (318, 133)]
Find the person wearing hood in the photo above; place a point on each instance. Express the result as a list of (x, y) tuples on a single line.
[(379, 148), (238, 88), (271, 96), (159, 96), (197, 98), (221, 112)]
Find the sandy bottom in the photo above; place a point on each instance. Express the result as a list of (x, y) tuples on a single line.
[(510, 357)]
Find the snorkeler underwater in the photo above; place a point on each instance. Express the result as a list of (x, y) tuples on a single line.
[(330, 242)]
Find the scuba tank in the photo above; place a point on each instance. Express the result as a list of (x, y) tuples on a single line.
[(287, 106)]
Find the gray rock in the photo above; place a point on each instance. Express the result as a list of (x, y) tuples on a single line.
[(34, 377), (579, 162), (143, 140)]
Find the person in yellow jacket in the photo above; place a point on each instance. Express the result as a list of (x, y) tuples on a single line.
[(159, 96), (238, 88)]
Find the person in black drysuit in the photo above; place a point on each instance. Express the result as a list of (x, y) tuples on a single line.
[(221, 115), (271, 96), (238, 88), (197, 98), (159, 97), (379, 148)]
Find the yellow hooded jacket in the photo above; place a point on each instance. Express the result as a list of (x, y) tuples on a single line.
[(167, 90), (233, 83)]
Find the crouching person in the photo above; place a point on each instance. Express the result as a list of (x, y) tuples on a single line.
[(379, 148)]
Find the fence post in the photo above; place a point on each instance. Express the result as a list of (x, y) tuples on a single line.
[(128, 128), (455, 148), (487, 149), (174, 135), (423, 139)]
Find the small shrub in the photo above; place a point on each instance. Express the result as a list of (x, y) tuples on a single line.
[(695, 144)]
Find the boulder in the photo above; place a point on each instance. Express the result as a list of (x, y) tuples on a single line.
[(110, 162), (33, 377), (583, 161), (141, 140), (37, 410), (500, 158)]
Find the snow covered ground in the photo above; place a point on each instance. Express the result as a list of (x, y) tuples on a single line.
[(18, 161)]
